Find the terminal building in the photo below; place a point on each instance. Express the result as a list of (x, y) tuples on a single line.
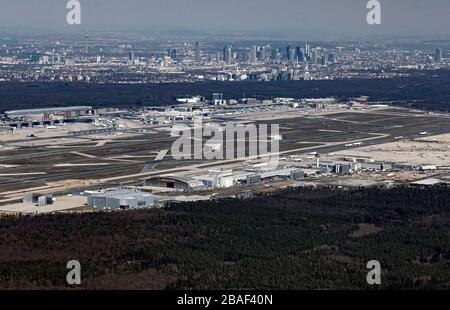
[(49, 116)]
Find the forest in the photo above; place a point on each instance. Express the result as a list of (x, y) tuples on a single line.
[(302, 238), (423, 89)]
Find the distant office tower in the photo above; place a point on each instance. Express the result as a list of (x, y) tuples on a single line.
[(252, 56), (298, 54), (292, 54), (173, 54), (314, 55), (197, 51), (275, 53), (332, 58), (263, 52), (131, 56), (288, 52), (307, 51), (227, 54), (438, 55), (324, 61), (35, 57)]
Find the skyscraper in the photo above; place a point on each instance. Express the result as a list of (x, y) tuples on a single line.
[(252, 57), (314, 56), (173, 54), (299, 54), (332, 58), (264, 50), (227, 54), (438, 57), (197, 51), (292, 54), (288, 52), (275, 53), (307, 51)]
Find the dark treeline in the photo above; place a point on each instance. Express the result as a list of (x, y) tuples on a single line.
[(424, 90), (306, 238)]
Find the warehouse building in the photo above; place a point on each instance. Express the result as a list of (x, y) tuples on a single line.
[(49, 116), (345, 167), (179, 183), (226, 178), (120, 199), (37, 199)]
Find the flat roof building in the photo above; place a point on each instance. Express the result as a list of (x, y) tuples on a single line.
[(31, 117), (120, 199)]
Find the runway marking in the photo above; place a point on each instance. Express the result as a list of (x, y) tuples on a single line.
[(102, 143), (80, 165), (329, 130), (21, 174), (83, 154), (132, 156), (123, 160), (161, 154), (62, 146)]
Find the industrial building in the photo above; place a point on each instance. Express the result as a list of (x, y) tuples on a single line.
[(119, 199), (37, 199), (226, 178), (340, 168), (179, 183), (49, 116)]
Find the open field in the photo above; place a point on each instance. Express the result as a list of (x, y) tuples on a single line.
[(62, 203), (434, 150)]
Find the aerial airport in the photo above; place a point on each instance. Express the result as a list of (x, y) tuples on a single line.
[(82, 159)]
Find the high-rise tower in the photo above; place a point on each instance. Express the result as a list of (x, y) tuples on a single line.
[(197, 51)]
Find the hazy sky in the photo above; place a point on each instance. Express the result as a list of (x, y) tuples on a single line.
[(293, 18)]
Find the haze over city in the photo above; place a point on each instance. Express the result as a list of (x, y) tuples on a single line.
[(293, 19)]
